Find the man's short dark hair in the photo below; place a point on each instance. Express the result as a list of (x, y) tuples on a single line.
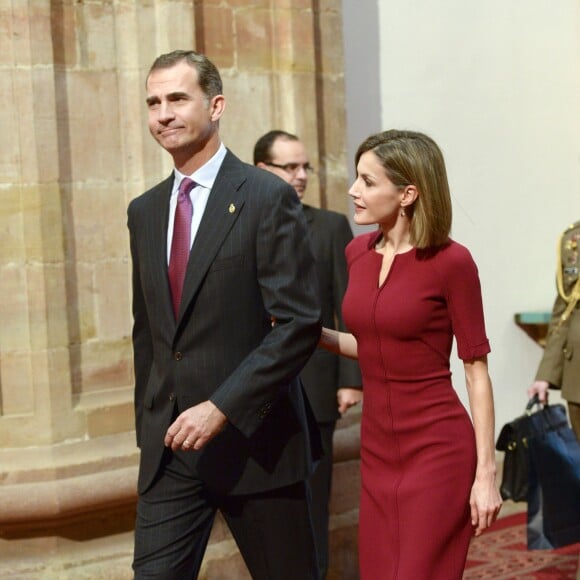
[(209, 77), (263, 147)]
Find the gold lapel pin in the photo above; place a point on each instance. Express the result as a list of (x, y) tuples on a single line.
[(232, 208)]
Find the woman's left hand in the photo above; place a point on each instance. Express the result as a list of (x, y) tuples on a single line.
[(485, 502)]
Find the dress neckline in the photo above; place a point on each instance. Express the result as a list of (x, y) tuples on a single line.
[(373, 242), (410, 251)]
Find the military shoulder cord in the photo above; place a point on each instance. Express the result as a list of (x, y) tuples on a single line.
[(574, 296)]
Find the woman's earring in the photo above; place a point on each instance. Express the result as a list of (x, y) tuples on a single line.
[(403, 214)]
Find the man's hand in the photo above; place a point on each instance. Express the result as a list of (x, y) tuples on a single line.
[(195, 427), (347, 398), (539, 388)]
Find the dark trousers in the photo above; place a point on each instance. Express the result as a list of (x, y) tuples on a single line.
[(272, 529), (320, 486)]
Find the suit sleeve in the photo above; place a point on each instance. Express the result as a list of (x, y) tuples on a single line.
[(348, 369), (287, 280), (142, 344)]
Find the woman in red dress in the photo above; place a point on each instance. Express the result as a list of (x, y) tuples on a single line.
[(428, 470)]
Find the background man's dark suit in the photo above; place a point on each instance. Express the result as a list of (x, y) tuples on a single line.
[(332, 383), (250, 261), (325, 372)]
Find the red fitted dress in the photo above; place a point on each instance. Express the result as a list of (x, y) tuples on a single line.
[(418, 452)]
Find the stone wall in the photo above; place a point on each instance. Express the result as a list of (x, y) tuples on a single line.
[(75, 150)]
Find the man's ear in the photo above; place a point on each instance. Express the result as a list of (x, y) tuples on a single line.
[(217, 107)]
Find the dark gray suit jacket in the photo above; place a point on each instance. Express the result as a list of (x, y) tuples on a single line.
[(325, 372), (251, 260)]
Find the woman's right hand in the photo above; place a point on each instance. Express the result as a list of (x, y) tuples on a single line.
[(539, 388)]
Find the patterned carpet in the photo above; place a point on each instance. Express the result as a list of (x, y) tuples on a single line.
[(502, 554)]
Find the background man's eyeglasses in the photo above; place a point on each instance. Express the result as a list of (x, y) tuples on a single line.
[(293, 168)]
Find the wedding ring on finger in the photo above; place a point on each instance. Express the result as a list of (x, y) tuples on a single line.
[(186, 444)]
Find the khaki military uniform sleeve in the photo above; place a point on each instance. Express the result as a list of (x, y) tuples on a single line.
[(552, 362)]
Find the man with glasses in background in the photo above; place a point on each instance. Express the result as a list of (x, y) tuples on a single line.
[(332, 383)]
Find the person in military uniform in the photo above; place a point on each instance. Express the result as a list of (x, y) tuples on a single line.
[(560, 365)]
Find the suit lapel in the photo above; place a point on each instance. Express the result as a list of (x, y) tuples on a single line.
[(311, 220), (157, 250), (222, 210)]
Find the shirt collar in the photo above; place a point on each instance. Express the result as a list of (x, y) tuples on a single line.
[(206, 174)]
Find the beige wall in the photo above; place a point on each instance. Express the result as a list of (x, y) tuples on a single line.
[(74, 151), (497, 84)]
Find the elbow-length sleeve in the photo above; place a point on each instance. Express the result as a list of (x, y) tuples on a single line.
[(465, 304)]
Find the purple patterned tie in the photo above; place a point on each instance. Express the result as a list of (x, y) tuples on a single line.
[(180, 244)]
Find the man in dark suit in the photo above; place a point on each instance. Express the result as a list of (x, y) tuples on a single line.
[(328, 378), (221, 420)]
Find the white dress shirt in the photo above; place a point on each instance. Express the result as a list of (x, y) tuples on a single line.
[(204, 178)]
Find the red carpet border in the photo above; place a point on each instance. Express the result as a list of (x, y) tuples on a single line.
[(501, 553)]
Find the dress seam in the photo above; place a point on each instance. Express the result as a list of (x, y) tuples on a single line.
[(392, 426)]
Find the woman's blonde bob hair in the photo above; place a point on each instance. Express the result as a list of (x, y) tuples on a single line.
[(411, 158)]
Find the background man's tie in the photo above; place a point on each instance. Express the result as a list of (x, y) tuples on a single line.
[(180, 244)]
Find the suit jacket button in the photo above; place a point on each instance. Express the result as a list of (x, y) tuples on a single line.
[(172, 396), (177, 356)]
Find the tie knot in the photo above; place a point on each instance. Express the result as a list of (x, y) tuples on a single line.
[(186, 186)]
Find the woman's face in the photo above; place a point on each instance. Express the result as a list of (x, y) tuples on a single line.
[(377, 200)]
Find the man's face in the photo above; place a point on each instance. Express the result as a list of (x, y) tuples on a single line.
[(181, 117), (292, 156)]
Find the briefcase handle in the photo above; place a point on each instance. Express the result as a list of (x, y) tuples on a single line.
[(552, 417), (535, 400)]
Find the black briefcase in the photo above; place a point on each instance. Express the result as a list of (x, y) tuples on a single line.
[(513, 441)]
